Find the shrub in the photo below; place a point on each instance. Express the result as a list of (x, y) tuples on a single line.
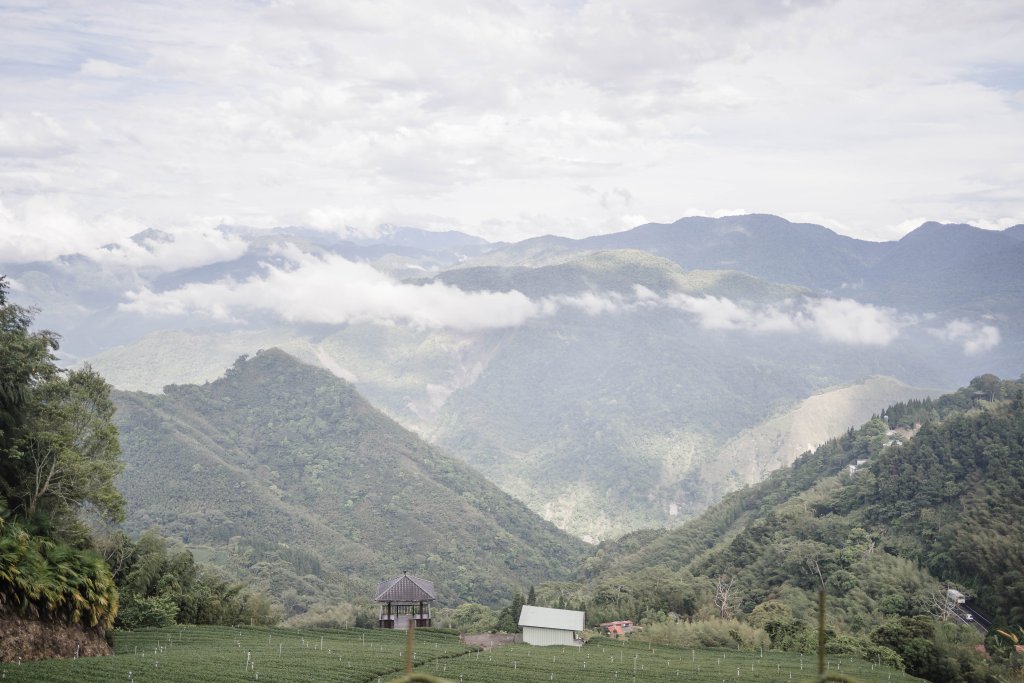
[(709, 633)]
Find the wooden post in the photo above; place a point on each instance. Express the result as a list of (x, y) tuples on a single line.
[(408, 646), (821, 633)]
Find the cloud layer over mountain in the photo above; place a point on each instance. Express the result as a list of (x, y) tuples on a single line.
[(333, 290)]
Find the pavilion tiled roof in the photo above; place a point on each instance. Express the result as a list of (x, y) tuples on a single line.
[(405, 588)]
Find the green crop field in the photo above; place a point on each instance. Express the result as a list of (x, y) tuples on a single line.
[(603, 659), (193, 654), (200, 654)]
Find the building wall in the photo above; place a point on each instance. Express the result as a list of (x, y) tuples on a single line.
[(533, 635)]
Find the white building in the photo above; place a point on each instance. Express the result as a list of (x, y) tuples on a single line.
[(547, 626)]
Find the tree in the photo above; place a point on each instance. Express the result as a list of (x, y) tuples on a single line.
[(58, 456), (70, 453), (26, 359), (469, 617), (59, 452), (508, 619), (725, 596)]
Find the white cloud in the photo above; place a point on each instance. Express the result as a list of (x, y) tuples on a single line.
[(850, 322), (834, 320), (975, 337), (590, 303), (354, 221), (32, 135), (333, 290), (44, 227), (173, 250), (717, 313), (864, 112), (99, 68)]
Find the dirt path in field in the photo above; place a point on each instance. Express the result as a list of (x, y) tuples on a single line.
[(489, 641)]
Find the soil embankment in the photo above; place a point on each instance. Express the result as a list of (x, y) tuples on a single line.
[(30, 639)]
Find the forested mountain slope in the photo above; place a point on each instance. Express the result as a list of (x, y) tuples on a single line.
[(284, 474), (942, 489)]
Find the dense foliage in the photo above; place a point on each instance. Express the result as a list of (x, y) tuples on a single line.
[(161, 587), (58, 458), (927, 495), (284, 475), (44, 578)]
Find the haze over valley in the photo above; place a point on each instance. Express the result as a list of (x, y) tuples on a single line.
[(611, 383)]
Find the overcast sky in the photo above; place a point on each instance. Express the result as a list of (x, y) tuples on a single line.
[(505, 119)]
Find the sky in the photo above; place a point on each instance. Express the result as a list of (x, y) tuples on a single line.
[(503, 118)]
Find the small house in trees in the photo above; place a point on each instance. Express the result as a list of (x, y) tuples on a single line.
[(403, 600), (617, 628), (547, 626)]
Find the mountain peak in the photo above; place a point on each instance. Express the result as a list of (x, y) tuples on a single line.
[(934, 230)]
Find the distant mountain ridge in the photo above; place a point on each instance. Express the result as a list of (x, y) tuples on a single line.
[(804, 254)]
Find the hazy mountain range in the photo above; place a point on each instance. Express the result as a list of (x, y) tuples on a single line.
[(611, 383)]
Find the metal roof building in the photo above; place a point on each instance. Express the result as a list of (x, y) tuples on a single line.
[(405, 599), (547, 626)]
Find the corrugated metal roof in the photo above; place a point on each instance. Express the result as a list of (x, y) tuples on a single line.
[(547, 617), (405, 588)]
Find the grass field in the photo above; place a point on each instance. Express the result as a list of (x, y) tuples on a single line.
[(199, 654)]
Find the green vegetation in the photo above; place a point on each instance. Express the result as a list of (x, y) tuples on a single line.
[(159, 587), (284, 476), (935, 501), (210, 654), (58, 458), (203, 654), (603, 659)]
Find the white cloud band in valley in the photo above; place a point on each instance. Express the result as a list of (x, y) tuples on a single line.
[(333, 290)]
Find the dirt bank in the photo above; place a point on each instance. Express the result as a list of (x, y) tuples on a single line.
[(31, 639)]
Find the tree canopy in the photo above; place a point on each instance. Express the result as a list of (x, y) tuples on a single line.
[(59, 455)]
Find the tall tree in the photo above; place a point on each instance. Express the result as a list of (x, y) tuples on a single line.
[(26, 359), (58, 455), (59, 451)]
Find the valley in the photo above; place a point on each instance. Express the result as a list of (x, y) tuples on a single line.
[(664, 352), (614, 432)]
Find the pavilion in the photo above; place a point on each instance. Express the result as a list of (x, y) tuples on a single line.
[(403, 600)]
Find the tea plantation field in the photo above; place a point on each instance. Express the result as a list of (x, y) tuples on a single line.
[(196, 654), (215, 654), (603, 659)]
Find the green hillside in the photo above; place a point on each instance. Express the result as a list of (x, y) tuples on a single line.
[(284, 474), (936, 501), (943, 486)]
